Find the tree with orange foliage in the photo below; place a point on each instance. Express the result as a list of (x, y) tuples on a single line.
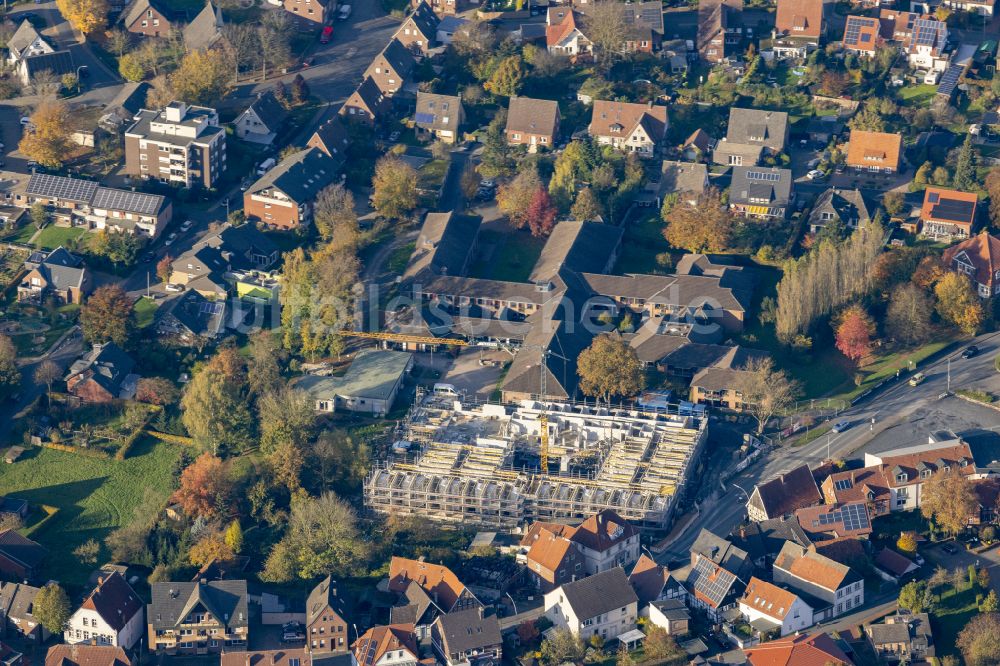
[(209, 548), (205, 487), (928, 272), (854, 333), (163, 268)]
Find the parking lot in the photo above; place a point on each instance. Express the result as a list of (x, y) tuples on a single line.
[(476, 372)]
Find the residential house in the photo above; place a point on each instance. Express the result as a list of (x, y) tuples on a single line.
[(926, 48), (686, 180), (948, 214), (720, 29), (370, 385), (111, 615), (906, 470), (762, 193), (310, 14), (979, 7), (634, 128), (439, 116), (240, 256), (445, 8), (835, 521), (327, 629), (600, 605), (282, 657), (817, 648), (56, 274), (332, 138), (283, 197), (862, 35), (450, 26), (836, 206), (798, 27), (770, 608), (123, 109), (879, 152), (56, 63), (445, 246), (366, 104), (391, 68), (262, 120), (839, 587), (897, 26), (903, 638), (644, 26), (979, 258), (718, 574), (893, 566), (181, 145), (82, 654), (200, 617), (752, 134), (605, 540), (26, 42), (102, 374), (564, 35), (147, 18), (698, 146), (428, 590), (763, 540), (716, 385), (532, 122), (467, 638), (552, 559), (418, 31), (867, 485), (205, 29), (16, 606), (192, 318), (784, 494), (386, 645), (84, 203), (652, 582), (671, 615)]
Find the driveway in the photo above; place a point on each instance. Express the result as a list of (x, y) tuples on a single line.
[(473, 379)]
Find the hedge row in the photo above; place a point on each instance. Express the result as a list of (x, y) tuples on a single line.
[(170, 439), (93, 453)]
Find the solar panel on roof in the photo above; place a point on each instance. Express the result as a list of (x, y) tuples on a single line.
[(424, 117), (763, 175), (954, 211), (211, 308), (61, 187), (842, 484)]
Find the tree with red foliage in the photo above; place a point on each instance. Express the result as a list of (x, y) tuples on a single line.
[(854, 333), (205, 488), (156, 391), (163, 268), (541, 213)]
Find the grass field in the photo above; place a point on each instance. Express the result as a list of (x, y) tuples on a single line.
[(52, 236), (953, 612), (642, 242), (399, 258), (94, 497), (917, 95), (145, 312), (513, 258)]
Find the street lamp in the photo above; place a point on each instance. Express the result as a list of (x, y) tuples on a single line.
[(741, 488), (511, 603)]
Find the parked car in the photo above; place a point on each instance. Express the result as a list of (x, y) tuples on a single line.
[(970, 351), (265, 165), (949, 548), (345, 12), (148, 258), (292, 631), (170, 286), (917, 378), (394, 137), (170, 239), (25, 121), (326, 35), (487, 182), (815, 174), (840, 426), (187, 225)]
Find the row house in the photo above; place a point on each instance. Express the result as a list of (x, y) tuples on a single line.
[(418, 31), (326, 623), (444, 8), (720, 29), (310, 14), (366, 105), (391, 68)]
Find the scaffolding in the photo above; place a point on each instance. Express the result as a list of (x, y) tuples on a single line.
[(478, 463)]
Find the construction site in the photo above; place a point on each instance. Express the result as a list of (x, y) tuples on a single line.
[(490, 465)]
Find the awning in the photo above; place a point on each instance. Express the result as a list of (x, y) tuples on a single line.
[(631, 637)]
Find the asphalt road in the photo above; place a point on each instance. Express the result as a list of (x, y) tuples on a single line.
[(904, 415)]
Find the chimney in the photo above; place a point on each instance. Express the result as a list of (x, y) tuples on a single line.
[(100, 581)]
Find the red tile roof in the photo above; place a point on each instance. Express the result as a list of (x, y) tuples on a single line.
[(281, 657), (375, 642), (799, 18), (913, 463), (648, 579), (549, 551), (769, 599), (612, 118), (855, 485), (983, 252), (86, 655), (834, 519), (603, 530), (893, 562), (812, 567), (878, 149), (802, 650), (438, 581), (940, 205)]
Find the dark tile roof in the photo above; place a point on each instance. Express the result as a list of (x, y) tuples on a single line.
[(300, 176), (751, 184), (109, 365), (757, 126), (468, 630), (583, 247), (324, 596), (399, 58), (115, 601), (766, 538), (205, 29), (599, 594), (848, 206), (720, 551), (57, 62), (138, 8), (269, 110), (21, 549), (16, 601), (787, 492), (23, 37), (332, 138), (532, 116), (225, 600), (425, 20), (437, 112), (444, 245)]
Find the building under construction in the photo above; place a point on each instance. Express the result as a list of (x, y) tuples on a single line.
[(479, 464)]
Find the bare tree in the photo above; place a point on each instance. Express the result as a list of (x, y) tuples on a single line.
[(45, 83), (243, 44), (119, 41), (764, 390), (606, 28)]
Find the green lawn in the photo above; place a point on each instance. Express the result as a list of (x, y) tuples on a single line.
[(642, 242), (94, 496), (399, 258), (431, 175), (917, 95), (52, 236), (949, 618), (145, 312), (513, 258), (23, 233)]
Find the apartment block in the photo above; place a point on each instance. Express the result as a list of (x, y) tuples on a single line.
[(181, 145)]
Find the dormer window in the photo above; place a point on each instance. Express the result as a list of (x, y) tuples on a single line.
[(925, 473), (902, 477)]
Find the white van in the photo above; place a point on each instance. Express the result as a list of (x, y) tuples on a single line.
[(265, 166), (445, 389)]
